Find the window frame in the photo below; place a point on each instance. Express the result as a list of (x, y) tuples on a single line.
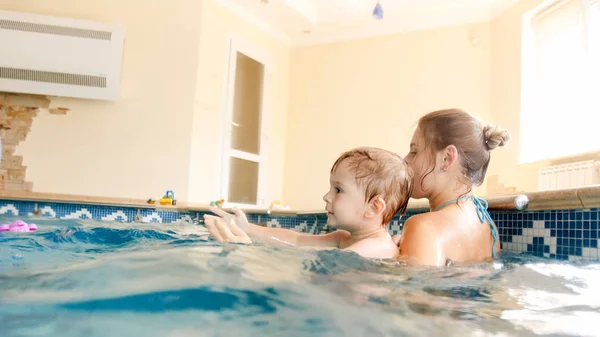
[(237, 44), (529, 99)]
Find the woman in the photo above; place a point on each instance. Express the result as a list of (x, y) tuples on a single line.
[(449, 155)]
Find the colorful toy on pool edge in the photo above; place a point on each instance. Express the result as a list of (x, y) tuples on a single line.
[(18, 226), (168, 198), (217, 203)]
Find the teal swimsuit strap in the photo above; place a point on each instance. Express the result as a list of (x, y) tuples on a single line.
[(482, 213)]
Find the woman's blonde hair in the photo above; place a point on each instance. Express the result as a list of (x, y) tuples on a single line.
[(472, 139)]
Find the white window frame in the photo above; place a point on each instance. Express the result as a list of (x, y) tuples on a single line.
[(237, 44), (528, 103)]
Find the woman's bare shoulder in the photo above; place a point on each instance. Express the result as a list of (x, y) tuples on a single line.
[(419, 241), (430, 218)]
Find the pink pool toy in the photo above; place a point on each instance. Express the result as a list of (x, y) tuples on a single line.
[(18, 226)]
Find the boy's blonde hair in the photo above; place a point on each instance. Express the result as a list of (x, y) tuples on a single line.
[(382, 173)]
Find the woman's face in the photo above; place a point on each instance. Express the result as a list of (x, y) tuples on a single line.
[(420, 161)]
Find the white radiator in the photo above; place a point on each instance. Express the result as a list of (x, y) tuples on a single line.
[(579, 174)]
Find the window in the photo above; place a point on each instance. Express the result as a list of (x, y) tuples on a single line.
[(561, 76), (243, 176)]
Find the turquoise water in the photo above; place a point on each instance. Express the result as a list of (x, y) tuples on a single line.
[(85, 278)]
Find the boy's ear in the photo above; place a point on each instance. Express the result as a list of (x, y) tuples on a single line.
[(376, 207)]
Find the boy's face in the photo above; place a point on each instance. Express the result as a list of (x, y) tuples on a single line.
[(345, 201)]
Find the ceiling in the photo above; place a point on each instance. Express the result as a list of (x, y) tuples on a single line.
[(305, 22)]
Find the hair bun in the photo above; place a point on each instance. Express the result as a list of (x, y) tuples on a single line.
[(495, 136)]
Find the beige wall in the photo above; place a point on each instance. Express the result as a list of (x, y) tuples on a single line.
[(139, 145), (164, 131), (506, 96), (371, 92), (218, 24)]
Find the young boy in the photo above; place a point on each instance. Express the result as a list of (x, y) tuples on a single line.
[(368, 186)]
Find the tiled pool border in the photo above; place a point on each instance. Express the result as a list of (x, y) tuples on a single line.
[(555, 234)]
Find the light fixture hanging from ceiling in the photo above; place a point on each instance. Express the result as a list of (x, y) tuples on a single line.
[(378, 11)]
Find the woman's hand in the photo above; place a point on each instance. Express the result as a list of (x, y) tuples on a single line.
[(238, 217), (223, 233)]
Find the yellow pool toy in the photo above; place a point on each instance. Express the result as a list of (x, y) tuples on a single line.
[(168, 198)]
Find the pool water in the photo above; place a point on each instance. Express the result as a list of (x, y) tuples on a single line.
[(86, 278)]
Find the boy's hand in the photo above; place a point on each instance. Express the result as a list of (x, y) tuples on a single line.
[(238, 217), (220, 232)]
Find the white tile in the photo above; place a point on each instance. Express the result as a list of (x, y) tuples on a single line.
[(152, 216), (553, 249), (585, 252), (114, 216), (539, 224), (11, 208), (552, 241), (273, 223), (80, 213)]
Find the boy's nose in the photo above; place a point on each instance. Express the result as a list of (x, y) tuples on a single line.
[(325, 197)]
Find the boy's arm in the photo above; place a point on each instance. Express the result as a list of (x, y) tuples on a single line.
[(222, 232), (294, 238)]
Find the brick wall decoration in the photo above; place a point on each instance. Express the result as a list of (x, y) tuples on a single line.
[(17, 112)]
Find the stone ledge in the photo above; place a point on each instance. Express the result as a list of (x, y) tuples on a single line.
[(577, 198), (71, 198)]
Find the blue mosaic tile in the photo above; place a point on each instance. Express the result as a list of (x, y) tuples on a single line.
[(149, 215), (16, 208), (253, 218), (168, 216), (555, 234), (282, 221)]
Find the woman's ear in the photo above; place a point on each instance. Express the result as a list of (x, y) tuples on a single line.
[(449, 157), (376, 207)]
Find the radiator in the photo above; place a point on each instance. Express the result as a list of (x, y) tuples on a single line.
[(578, 174)]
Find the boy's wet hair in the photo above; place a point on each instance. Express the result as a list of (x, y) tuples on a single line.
[(382, 173)]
